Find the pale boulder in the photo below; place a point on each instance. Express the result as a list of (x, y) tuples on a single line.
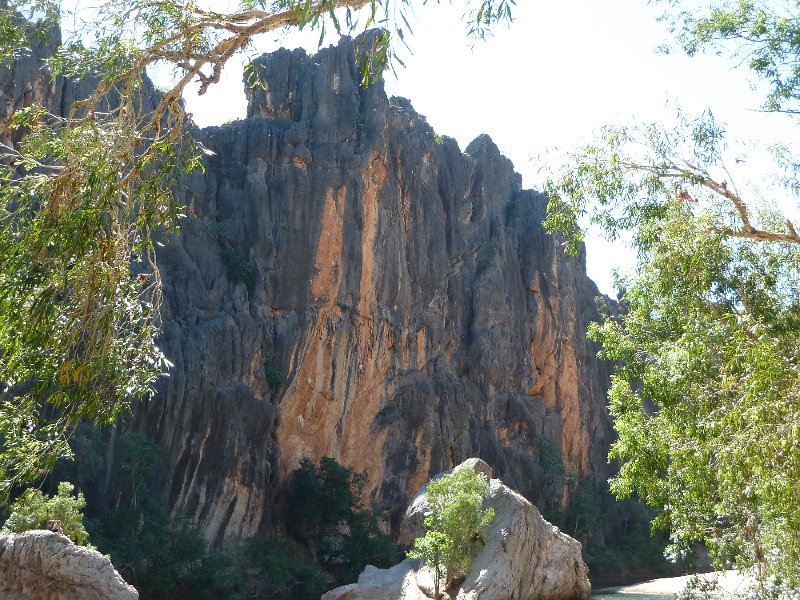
[(42, 565), (523, 558)]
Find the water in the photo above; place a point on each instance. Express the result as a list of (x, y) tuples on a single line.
[(632, 597)]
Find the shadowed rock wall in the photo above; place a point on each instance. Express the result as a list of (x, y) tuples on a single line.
[(404, 289), (348, 284)]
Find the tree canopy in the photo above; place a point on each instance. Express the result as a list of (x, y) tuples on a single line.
[(706, 392), (82, 195)]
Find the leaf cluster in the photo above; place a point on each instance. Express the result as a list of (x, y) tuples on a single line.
[(327, 510), (763, 36), (705, 393), (34, 510), (455, 522)]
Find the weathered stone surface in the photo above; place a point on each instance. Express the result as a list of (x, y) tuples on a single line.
[(524, 558), (396, 583), (42, 565), (405, 290)]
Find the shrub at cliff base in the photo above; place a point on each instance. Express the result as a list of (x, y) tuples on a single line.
[(455, 523), (327, 514)]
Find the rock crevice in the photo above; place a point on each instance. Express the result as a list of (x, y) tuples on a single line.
[(403, 289), (348, 283)]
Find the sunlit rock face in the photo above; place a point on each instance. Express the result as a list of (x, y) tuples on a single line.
[(347, 283), (404, 289)]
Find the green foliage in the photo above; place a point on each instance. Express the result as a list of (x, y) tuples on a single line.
[(326, 509), (33, 510), (512, 210), (283, 569), (555, 474), (486, 256), (275, 379), (162, 555), (706, 393), (764, 37), (455, 523), (17, 36), (237, 267)]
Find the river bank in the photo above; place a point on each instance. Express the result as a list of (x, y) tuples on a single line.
[(729, 581)]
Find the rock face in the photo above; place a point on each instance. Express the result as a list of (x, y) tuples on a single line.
[(348, 284), (524, 558), (42, 565)]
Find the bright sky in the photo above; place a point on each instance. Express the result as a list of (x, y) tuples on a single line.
[(542, 86)]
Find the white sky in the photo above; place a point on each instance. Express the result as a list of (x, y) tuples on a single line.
[(544, 85)]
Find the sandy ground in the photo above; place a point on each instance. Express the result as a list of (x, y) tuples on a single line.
[(730, 581)]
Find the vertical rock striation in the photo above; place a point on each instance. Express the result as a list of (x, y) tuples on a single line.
[(349, 284)]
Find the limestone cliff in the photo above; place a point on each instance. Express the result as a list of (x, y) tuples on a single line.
[(347, 283), (404, 289)]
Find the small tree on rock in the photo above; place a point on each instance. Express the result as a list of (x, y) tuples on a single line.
[(455, 523), (34, 510)]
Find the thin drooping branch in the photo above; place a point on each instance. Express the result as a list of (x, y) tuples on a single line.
[(747, 230)]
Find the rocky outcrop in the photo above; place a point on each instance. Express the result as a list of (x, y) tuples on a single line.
[(42, 565), (523, 558), (348, 284), (26, 81)]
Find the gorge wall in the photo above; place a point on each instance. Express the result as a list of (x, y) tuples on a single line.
[(349, 284), (404, 289)]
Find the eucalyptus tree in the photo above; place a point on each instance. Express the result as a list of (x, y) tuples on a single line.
[(83, 193), (706, 391)]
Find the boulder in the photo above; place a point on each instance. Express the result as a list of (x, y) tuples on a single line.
[(43, 565), (523, 558)]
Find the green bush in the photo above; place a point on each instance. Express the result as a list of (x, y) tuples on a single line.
[(326, 510), (455, 523), (512, 210), (551, 460), (486, 256), (282, 569), (237, 267), (33, 510), (275, 379)]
